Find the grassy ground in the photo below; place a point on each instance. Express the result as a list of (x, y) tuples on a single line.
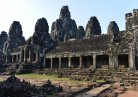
[(35, 76), (1, 80)]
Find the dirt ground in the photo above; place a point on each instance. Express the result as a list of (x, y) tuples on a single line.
[(70, 88)]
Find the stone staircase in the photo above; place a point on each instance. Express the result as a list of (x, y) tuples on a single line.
[(122, 75), (72, 73)]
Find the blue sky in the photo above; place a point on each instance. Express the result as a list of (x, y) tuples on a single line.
[(28, 11)]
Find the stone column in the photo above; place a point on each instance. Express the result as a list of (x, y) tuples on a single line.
[(59, 62), (69, 62), (131, 57), (94, 61), (17, 59), (80, 62), (6, 58), (25, 59), (110, 61), (37, 57), (51, 62), (30, 57), (115, 59), (20, 60), (44, 63)]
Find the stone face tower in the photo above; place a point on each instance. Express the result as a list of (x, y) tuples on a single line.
[(64, 13), (93, 27), (64, 28), (80, 32), (15, 36), (113, 28), (41, 36), (3, 38)]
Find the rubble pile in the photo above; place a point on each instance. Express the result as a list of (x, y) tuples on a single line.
[(13, 87), (49, 88)]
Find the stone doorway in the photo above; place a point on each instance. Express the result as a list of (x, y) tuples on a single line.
[(48, 63), (22, 55), (42, 59), (64, 62), (123, 61), (55, 62), (34, 57), (102, 61), (75, 62), (10, 58), (14, 58), (87, 61)]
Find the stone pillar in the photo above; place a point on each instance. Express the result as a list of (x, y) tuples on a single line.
[(30, 57), (80, 62), (20, 60), (131, 57), (115, 59), (69, 62), (59, 62), (17, 59), (51, 62), (25, 59), (44, 63), (94, 61), (6, 58), (111, 62), (37, 57)]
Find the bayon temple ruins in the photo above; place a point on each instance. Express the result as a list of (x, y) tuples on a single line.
[(70, 50)]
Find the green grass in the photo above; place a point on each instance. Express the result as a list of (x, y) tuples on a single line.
[(1, 80), (101, 81), (35, 76)]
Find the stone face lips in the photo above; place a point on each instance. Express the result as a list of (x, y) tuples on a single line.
[(80, 32), (15, 36), (64, 28), (93, 27), (64, 13), (113, 28), (41, 36)]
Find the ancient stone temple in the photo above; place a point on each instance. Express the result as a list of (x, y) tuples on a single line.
[(69, 51), (64, 28)]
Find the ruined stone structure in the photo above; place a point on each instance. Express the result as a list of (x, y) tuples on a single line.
[(69, 48), (64, 28), (93, 27)]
